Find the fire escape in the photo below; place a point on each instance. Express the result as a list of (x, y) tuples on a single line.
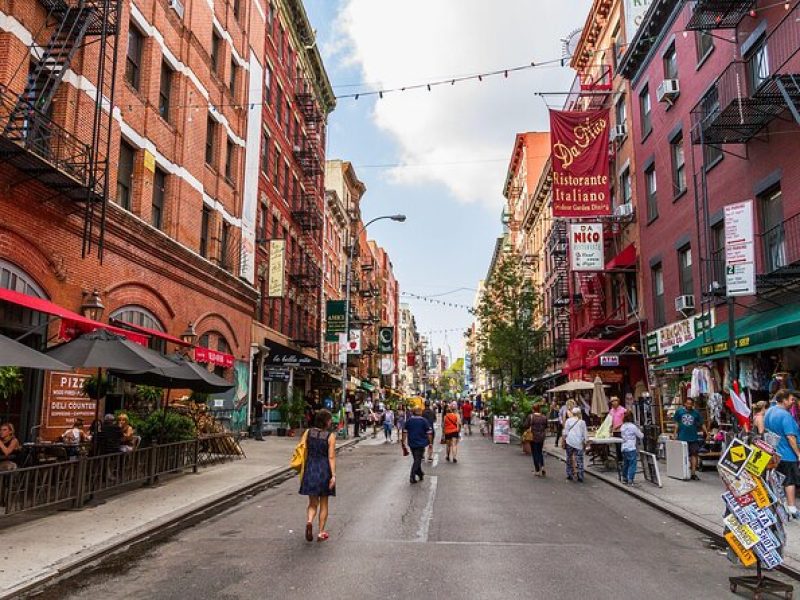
[(750, 94), (37, 139), (306, 205), (558, 285)]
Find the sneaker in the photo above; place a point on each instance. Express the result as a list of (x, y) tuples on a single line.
[(413, 480), (694, 477), (421, 476), (447, 458), (580, 479), (569, 477), (455, 460), (544, 473)]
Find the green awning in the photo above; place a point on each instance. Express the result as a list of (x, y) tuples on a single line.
[(756, 332), (674, 365), (367, 386)]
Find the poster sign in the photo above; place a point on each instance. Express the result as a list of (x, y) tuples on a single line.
[(635, 11), (735, 457), (411, 359), (758, 462), (579, 145), (334, 319), (501, 433), (354, 343), (586, 249), (64, 401), (740, 266), (650, 468), (387, 365), (276, 285), (386, 340)]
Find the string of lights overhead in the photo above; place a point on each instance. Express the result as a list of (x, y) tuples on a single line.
[(433, 300)]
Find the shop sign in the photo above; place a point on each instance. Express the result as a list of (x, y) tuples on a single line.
[(334, 319), (735, 457), (353, 344), (606, 375), (282, 357), (219, 359), (64, 402), (635, 11), (709, 349), (740, 265), (386, 340), (586, 250), (276, 375), (277, 267), (579, 146), (387, 365), (609, 360), (501, 430), (670, 337)]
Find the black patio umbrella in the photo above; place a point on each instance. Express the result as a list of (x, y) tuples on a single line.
[(102, 349), (182, 374), (14, 354)]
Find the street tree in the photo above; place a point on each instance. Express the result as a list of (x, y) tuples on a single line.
[(509, 343), (451, 381)]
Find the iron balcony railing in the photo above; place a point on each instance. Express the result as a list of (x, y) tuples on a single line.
[(717, 14), (780, 245)]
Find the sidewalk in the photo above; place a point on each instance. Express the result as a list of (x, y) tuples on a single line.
[(697, 503), (49, 544)]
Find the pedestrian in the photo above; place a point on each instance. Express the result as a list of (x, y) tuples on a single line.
[(537, 423), (388, 424), (466, 415), (418, 434), (348, 411), (479, 405), (759, 410), (452, 431), (564, 413), (400, 421), (319, 473), (617, 413), (258, 418), (356, 417), (629, 432), (779, 420), (690, 423), (575, 436), (430, 416)]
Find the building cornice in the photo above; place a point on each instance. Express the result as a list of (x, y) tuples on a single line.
[(655, 26), (596, 21)]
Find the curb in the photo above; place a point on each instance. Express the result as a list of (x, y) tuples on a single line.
[(154, 531), (790, 571)]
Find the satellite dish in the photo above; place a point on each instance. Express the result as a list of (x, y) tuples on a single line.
[(570, 43)]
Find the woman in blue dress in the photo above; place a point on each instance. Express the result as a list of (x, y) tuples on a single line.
[(319, 473)]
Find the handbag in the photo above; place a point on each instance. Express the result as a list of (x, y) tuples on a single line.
[(527, 435), (298, 461)]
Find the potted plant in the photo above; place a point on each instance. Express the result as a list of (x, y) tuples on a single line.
[(10, 385), (296, 411), (95, 387), (283, 410)]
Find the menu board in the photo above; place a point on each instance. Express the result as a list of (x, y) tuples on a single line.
[(502, 430), (64, 401)]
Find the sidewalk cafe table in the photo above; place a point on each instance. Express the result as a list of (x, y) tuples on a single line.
[(600, 450)]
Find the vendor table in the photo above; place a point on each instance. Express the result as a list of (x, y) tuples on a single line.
[(599, 448)]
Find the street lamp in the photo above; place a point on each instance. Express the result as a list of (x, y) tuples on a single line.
[(92, 307), (349, 279), (189, 335)]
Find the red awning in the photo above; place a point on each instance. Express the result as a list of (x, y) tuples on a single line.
[(72, 324), (624, 260), (152, 333), (580, 350), (206, 355), (594, 361)]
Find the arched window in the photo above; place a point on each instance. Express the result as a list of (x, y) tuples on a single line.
[(18, 318), (214, 339), (138, 315), (14, 278)]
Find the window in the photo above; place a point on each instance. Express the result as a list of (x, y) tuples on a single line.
[(278, 103), (133, 59), (165, 90), (276, 181), (216, 43), (772, 232), (645, 108), (211, 127), (275, 229), (758, 65), (712, 154), (671, 63), (236, 6), (159, 188), (125, 175), (651, 189), (619, 45), (267, 86), (704, 42), (288, 125), (718, 255), (205, 225), (224, 242), (620, 112), (685, 279), (138, 315), (625, 186), (234, 75), (265, 153), (270, 17), (286, 182), (657, 275), (678, 165), (230, 159), (281, 43)]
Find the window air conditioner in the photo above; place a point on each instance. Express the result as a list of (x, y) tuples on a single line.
[(624, 210), (620, 131), (668, 90), (177, 6), (684, 303)]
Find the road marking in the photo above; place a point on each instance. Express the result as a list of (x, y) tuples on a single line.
[(435, 458), (427, 513)]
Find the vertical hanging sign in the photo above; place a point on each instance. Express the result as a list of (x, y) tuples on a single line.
[(740, 267), (586, 246), (579, 146), (277, 260)]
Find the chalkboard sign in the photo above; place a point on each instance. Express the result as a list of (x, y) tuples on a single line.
[(650, 467)]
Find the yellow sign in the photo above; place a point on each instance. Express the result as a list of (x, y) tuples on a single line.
[(743, 532), (735, 456), (149, 161), (758, 461), (277, 266), (746, 556), (738, 453), (760, 494)]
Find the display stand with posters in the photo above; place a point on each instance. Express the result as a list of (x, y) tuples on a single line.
[(501, 430), (755, 513)]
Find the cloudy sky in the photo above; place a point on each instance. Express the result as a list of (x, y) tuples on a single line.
[(441, 156)]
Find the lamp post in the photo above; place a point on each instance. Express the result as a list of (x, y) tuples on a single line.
[(92, 306), (349, 279)]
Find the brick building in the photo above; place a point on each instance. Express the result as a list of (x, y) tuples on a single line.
[(154, 187)]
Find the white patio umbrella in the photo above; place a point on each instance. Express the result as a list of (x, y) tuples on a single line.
[(573, 386), (599, 400)]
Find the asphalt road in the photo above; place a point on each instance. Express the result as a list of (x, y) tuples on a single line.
[(484, 528)]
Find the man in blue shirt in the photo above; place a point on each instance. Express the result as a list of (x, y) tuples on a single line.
[(689, 422), (419, 434), (779, 420)]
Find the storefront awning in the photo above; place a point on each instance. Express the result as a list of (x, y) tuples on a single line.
[(72, 324), (756, 332), (594, 361), (282, 356), (152, 333), (626, 259), (365, 385)]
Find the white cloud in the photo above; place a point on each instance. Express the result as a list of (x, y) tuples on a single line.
[(398, 43)]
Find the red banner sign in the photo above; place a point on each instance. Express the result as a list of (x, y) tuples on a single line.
[(205, 355), (411, 359), (579, 145)]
